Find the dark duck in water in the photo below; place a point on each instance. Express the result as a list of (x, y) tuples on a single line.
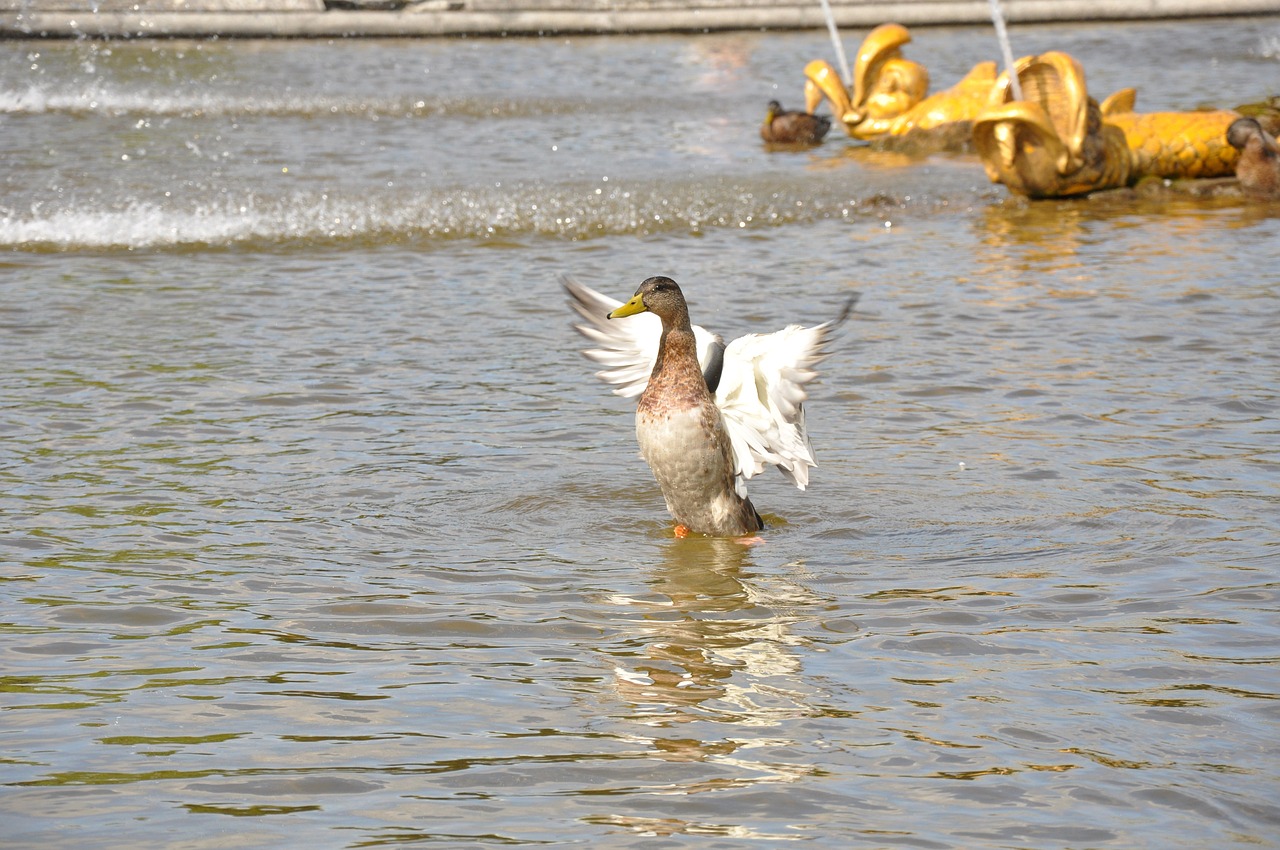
[(792, 128), (1258, 168)]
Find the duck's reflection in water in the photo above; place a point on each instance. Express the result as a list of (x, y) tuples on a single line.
[(713, 643)]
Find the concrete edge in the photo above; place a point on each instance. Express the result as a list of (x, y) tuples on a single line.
[(352, 24)]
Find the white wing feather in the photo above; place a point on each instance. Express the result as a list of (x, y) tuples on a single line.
[(761, 395), (626, 347)]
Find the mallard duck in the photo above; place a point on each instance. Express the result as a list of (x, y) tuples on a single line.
[(792, 128), (710, 415), (1258, 168)]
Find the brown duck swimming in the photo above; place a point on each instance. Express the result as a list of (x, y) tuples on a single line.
[(792, 128), (1258, 168), (710, 416)]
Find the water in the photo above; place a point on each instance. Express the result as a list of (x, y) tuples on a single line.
[(318, 531), (1006, 49)]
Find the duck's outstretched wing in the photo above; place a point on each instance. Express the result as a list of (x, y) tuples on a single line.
[(762, 393), (628, 347)]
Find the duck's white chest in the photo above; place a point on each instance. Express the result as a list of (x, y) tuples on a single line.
[(688, 453)]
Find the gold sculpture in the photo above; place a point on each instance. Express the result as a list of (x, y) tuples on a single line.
[(1053, 142), (1057, 141), (888, 94), (1173, 144)]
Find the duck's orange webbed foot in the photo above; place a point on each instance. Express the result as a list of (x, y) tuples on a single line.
[(681, 531)]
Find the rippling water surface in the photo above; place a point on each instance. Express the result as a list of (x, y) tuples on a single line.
[(318, 531)]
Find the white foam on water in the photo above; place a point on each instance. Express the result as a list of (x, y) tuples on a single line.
[(137, 225), (95, 98), (562, 211)]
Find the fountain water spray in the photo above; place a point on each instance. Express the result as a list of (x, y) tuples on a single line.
[(835, 39), (998, 17)]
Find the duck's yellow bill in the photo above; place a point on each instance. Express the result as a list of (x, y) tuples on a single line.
[(635, 305)]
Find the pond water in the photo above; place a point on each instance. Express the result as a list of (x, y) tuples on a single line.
[(317, 529)]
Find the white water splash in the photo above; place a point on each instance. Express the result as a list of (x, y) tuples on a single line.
[(572, 212), (839, 45), (95, 98), (1006, 49), (137, 225)]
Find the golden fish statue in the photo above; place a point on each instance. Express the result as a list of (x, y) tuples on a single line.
[(888, 94), (1058, 142)]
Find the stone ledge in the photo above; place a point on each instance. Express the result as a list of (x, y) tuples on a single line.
[(81, 7), (302, 19)]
